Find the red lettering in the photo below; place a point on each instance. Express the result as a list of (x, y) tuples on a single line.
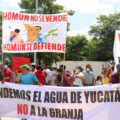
[(38, 46), (26, 17), (59, 47), (9, 16), (20, 16), (119, 36), (35, 18), (47, 18), (49, 46), (4, 15), (45, 46), (19, 108), (55, 18), (43, 18), (14, 16), (4, 46), (13, 47), (31, 47), (25, 109), (64, 46), (32, 18), (51, 18), (22, 109), (23, 47), (60, 17), (53, 46), (64, 17), (35, 46), (8, 47)]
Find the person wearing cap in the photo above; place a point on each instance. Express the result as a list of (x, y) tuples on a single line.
[(27, 78), (115, 78), (33, 67), (7, 73)]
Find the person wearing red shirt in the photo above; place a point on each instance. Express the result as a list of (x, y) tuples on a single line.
[(7, 74), (40, 74), (115, 78)]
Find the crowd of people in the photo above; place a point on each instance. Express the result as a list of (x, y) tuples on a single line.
[(43, 75)]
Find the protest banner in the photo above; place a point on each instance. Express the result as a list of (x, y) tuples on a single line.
[(116, 49), (60, 103), (19, 61), (34, 32)]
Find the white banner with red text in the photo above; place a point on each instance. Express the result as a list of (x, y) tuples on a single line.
[(60, 103), (34, 32), (116, 49)]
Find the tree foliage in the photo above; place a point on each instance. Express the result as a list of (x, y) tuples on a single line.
[(76, 48), (103, 37)]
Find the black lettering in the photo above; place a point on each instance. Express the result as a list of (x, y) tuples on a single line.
[(86, 95), (64, 113), (58, 113), (99, 98), (79, 97), (28, 97), (93, 96), (35, 96), (106, 97), (52, 97), (117, 96), (32, 110), (46, 99), (73, 97), (80, 114), (44, 112), (52, 112)]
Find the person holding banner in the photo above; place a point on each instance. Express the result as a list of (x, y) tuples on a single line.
[(65, 75), (28, 78), (89, 76), (40, 74), (78, 77), (106, 71), (53, 78), (1, 77), (33, 67), (47, 72), (115, 78), (7, 73)]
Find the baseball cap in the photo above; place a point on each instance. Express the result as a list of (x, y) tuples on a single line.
[(33, 64), (25, 65), (118, 65)]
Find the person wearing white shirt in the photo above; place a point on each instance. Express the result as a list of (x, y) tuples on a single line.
[(47, 73), (52, 79), (78, 77)]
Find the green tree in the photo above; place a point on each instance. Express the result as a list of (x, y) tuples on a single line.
[(103, 32), (76, 48)]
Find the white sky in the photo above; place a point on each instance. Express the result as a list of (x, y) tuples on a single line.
[(86, 11)]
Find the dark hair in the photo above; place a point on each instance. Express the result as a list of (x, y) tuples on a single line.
[(39, 67), (98, 77), (54, 68), (81, 69), (17, 30), (90, 67), (34, 66), (62, 66), (39, 27)]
